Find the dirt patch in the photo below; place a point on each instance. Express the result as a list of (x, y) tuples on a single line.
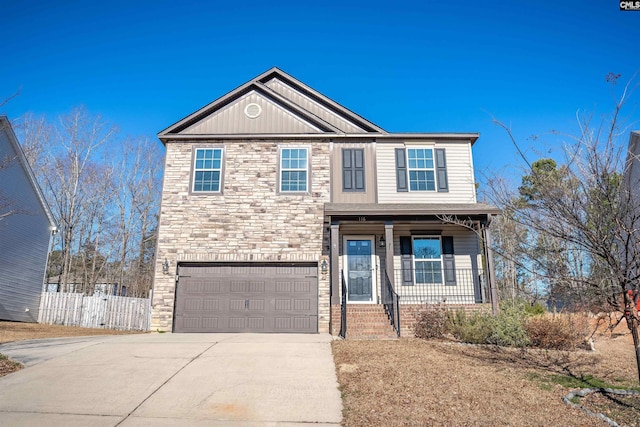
[(17, 331), (411, 382)]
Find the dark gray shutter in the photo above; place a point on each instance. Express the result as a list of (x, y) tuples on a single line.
[(406, 260), (448, 260), (401, 170), (358, 170), (441, 170), (352, 169), (347, 170)]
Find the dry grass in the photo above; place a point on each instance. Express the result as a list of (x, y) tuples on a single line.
[(16, 331), (412, 382)]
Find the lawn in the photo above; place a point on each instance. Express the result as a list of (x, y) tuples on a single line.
[(411, 382)]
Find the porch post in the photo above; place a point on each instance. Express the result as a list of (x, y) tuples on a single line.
[(335, 263), (388, 237), (491, 272)]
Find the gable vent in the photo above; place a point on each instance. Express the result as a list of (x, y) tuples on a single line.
[(252, 110)]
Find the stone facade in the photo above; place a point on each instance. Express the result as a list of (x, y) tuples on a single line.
[(248, 221)]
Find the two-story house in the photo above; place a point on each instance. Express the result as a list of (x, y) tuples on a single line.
[(283, 211)]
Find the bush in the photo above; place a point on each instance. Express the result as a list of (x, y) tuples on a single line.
[(505, 329), (558, 331), (431, 323)]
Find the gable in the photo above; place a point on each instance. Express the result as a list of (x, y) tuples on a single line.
[(287, 107), (233, 118)]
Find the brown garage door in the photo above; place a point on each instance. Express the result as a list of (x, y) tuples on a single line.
[(247, 298)]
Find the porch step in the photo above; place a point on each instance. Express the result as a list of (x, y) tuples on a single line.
[(368, 322)]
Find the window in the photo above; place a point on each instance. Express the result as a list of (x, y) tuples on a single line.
[(207, 170), (427, 255), (293, 169), (422, 175), (352, 169)]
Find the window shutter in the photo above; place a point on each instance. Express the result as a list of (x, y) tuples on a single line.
[(441, 170), (352, 169), (358, 170), (406, 260), (401, 170), (448, 260), (347, 170)]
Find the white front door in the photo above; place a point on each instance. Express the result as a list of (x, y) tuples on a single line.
[(359, 269)]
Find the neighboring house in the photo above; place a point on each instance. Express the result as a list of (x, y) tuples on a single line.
[(276, 198), (75, 285), (631, 194), (26, 225)]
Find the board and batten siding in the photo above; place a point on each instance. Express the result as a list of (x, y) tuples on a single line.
[(337, 193), (24, 239), (459, 174)]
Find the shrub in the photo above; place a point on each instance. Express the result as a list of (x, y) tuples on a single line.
[(558, 331), (535, 309), (432, 322), (474, 328), (505, 329)]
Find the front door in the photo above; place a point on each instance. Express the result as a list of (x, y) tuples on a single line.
[(359, 261)]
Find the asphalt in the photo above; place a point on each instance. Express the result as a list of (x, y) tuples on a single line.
[(172, 380)]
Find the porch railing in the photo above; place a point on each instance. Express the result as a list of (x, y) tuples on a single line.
[(391, 302), (459, 286), (343, 308)]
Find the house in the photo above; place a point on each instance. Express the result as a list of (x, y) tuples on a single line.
[(26, 227), (283, 211)]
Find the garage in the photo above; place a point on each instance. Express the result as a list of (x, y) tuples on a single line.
[(275, 298)]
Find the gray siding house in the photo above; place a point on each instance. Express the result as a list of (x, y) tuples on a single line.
[(26, 225), (283, 211)]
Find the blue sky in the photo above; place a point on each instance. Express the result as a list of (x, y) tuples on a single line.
[(407, 66)]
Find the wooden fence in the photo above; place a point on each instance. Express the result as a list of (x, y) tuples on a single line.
[(98, 311)]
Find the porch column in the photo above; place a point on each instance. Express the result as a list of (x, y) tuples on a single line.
[(490, 269), (335, 263), (388, 237)]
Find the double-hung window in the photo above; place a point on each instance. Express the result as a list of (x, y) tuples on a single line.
[(427, 255), (207, 173), (294, 170), (422, 175)]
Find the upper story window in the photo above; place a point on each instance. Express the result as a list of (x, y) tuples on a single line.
[(353, 169), (421, 169), (294, 169), (208, 170), (422, 176)]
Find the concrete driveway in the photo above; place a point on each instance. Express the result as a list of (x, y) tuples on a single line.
[(172, 380)]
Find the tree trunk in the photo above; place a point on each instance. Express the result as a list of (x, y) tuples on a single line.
[(632, 323)]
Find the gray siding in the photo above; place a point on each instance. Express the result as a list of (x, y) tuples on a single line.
[(340, 196), (232, 119), (24, 241), (313, 106)]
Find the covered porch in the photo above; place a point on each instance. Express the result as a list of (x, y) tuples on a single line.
[(394, 259)]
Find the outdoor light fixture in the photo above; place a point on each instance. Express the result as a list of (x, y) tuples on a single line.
[(324, 266), (382, 241), (165, 267)]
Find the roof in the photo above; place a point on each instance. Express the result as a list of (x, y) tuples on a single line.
[(410, 209), (5, 125), (293, 110)]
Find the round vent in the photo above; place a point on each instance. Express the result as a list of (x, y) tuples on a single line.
[(252, 110)]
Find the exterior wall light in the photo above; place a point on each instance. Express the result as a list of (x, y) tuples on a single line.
[(382, 242), (324, 266), (165, 267)]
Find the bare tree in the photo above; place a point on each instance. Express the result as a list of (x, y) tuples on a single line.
[(583, 224)]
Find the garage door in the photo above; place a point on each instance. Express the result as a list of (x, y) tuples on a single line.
[(247, 298)]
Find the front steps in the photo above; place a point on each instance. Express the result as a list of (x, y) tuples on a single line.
[(368, 321)]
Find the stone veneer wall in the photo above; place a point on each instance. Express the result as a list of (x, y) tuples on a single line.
[(249, 221)]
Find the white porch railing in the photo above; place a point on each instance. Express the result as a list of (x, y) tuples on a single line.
[(98, 311)]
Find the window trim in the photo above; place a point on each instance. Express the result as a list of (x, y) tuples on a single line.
[(434, 169), (440, 259), (280, 169), (194, 170)]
